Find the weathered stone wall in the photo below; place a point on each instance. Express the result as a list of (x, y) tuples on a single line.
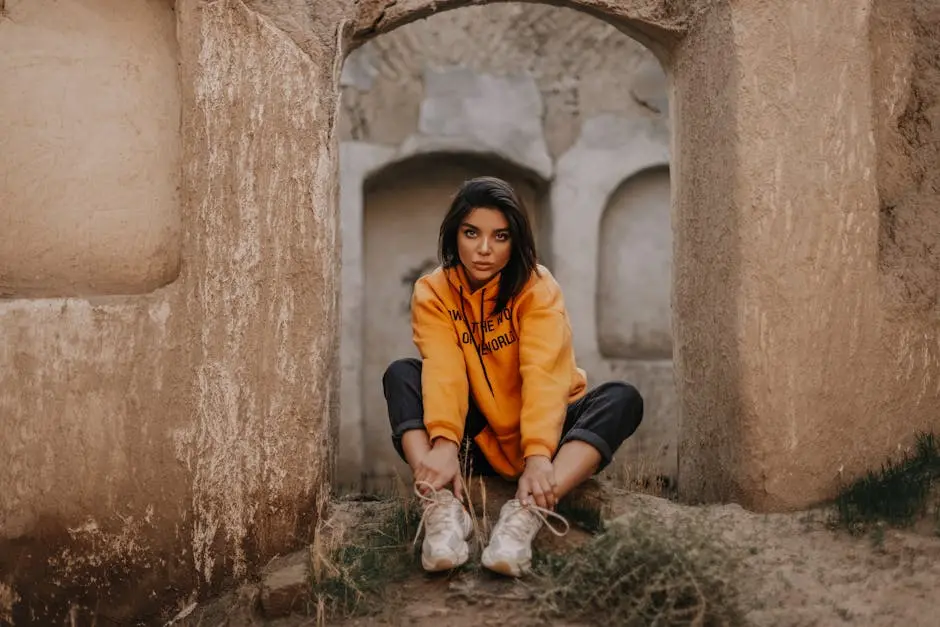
[(579, 67), (634, 284), (794, 372), (906, 90), (164, 442), (566, 99)]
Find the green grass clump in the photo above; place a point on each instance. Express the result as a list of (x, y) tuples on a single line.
[(897, 494), (352, 578), (641, 573)]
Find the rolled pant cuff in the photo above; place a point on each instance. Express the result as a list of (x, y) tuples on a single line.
[(400, 429), (594, 440)]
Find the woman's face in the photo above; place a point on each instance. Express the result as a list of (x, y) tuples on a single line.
[(484, 245)]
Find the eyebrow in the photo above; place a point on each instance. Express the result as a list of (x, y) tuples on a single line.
[(475, 227)]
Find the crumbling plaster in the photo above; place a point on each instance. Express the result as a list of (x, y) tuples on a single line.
[(792, 376)]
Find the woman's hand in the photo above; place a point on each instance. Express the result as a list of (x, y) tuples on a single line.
[(537, 483), (441, 467)]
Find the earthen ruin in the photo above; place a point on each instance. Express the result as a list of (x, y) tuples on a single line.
[(170, 265)]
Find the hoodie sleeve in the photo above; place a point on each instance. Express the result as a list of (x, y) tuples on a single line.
[(444, 386), (546, 361)]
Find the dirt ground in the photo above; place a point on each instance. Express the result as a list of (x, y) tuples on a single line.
[(795, 571)]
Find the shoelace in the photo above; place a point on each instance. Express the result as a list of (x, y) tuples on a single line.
[(433, 503), (541, 513)]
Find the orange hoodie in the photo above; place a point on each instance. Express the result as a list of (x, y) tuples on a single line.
[(518, 364)]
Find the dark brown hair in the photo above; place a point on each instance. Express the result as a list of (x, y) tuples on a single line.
[(487, 192)]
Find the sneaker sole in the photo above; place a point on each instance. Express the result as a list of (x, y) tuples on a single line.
[(504, 568), (444, 563)]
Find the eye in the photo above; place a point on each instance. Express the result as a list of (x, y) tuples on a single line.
[(502, 236), (469, 233)]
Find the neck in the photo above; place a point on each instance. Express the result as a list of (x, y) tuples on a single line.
[(472, 283)]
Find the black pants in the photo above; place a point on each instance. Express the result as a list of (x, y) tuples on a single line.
[(604, 417)]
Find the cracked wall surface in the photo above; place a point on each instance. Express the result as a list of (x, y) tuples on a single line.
[(906, 80), (795, 374)]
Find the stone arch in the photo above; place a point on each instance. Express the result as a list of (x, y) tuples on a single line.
[(391, 241), (658, 24), (634, 265)]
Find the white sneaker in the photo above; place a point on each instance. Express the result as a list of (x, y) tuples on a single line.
[(510, 549), (447, 526)]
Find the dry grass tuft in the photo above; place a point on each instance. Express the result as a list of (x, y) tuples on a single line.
[(641, 572), (643, 475), (8, 597), (355, 559)]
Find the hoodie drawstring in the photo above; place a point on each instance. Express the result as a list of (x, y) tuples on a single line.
[(478, 347)]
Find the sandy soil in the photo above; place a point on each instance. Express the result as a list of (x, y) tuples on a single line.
[(795, 572)]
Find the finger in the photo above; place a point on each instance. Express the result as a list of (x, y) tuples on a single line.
[(458, 487), (549, 489), (539, 495), (439, 481), (421, 476), (427, 478), (550, 495), (522, 491)]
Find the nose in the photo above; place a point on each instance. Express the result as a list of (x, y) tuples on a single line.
[(484, 246)]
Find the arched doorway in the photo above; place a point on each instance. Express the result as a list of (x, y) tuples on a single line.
[(581, 122)]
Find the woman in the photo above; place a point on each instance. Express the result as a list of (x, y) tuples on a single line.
[(497, 373)]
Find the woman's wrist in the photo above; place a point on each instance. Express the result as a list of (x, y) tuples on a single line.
[(537, 459), (444, 443)]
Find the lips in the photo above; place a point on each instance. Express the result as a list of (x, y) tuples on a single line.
[(482, 267)]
